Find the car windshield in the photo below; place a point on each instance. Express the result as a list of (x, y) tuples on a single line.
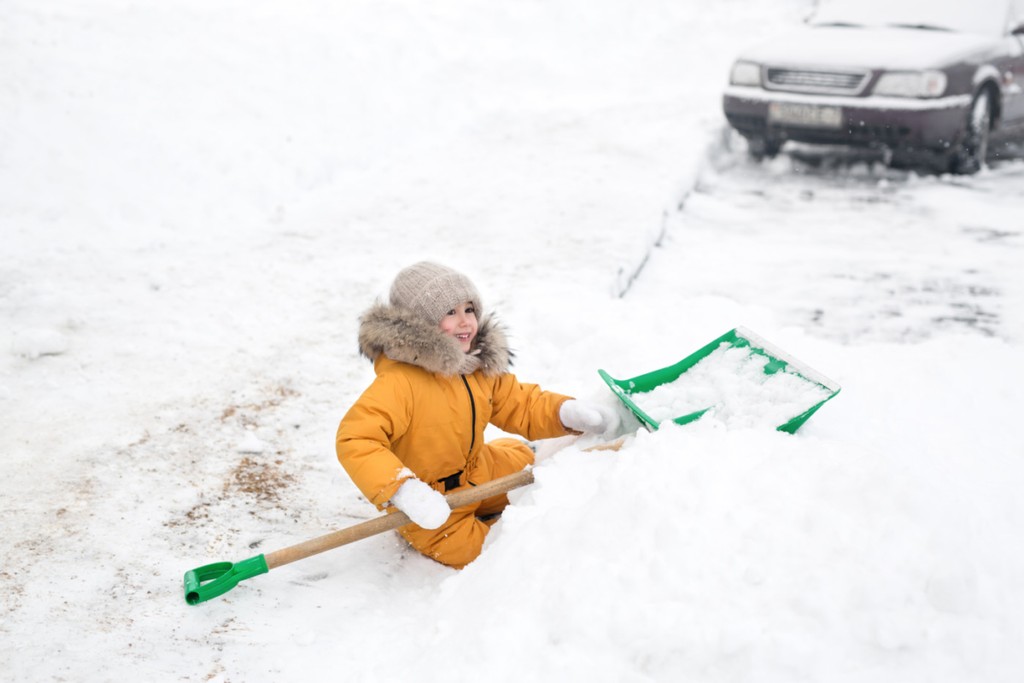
[(977, 16)]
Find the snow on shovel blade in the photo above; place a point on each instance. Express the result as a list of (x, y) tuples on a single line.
[(739, 376)]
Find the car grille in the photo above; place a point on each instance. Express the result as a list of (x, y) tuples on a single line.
[(833, 82), (893, 135)]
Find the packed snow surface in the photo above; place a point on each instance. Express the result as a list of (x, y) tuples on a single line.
[(199, 198)]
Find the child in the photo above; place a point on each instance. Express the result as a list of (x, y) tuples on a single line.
[(417, 431)]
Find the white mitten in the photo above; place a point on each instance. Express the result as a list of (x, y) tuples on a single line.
[(593, 418), (425, 507)]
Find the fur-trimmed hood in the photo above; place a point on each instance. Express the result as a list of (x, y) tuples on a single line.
[(401, 335)]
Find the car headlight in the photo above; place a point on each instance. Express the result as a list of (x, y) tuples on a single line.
[(745, 73), (911, 84)]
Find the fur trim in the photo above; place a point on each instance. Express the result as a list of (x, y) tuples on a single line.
[(401, 335)]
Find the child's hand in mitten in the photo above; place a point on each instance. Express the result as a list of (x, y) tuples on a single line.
[(425, 507), (592, 418)]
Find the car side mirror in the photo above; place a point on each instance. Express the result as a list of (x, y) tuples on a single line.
[(1018, 30)]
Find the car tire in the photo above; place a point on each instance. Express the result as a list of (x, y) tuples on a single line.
[(763, 148), (970, 155)]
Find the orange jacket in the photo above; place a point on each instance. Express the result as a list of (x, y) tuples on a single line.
[(416, 419)]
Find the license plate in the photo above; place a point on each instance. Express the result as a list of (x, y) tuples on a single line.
[(811, 115)]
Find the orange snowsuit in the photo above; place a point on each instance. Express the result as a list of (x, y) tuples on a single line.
[(415, 421)]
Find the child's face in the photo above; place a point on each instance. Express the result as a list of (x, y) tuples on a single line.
[(460, 322)]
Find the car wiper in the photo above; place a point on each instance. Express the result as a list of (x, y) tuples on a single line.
[(841, 24), (923, 27)]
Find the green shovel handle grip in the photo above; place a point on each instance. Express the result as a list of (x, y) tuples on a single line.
[(211, 580)]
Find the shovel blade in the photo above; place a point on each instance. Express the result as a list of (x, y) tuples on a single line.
[(211, 580), (773, 359)]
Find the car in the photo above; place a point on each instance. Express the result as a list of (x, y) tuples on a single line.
[(936, 83)]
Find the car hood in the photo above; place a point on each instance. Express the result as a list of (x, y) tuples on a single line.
[(867, 47)]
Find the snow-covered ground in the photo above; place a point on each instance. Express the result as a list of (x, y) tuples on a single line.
[(197, 200)]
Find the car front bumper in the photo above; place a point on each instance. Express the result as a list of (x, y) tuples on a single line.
[(897, 123)]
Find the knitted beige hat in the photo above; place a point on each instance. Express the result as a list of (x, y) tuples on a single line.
[(430, 290)]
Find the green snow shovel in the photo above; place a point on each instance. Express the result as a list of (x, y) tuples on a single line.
[(775, 360), (209, 581)]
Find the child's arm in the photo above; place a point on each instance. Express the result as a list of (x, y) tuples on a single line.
[(529, 411), (526, 409), (379, 417), (364, 440)]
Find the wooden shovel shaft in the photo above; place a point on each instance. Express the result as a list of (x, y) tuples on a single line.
[(393, 520)]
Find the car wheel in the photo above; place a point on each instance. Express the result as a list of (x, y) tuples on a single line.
[(763, 148), (970, 155)]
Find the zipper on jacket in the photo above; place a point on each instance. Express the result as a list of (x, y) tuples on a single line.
[(472, 406)]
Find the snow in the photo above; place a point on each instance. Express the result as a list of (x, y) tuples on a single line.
[(31, 344), (198, 199)]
